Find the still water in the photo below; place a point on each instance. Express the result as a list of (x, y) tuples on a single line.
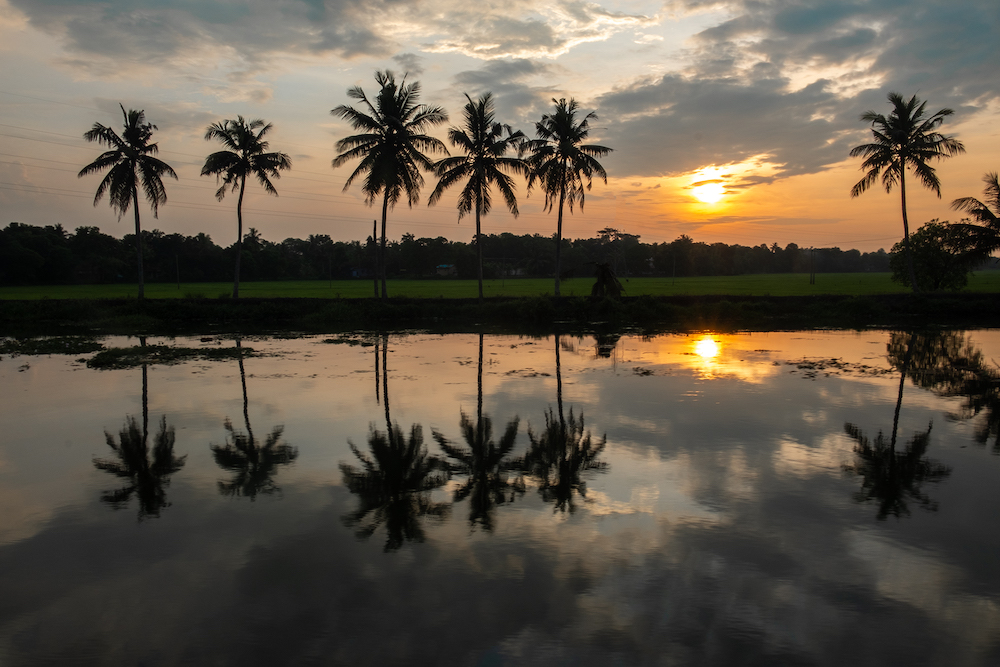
[(786, 498)]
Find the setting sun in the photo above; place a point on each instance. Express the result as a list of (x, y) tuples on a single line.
[(709, 193)]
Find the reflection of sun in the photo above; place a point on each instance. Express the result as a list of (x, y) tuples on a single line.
[(709, 193), (706, 348)]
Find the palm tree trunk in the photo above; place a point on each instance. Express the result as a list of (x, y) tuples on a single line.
[(899, 397), (906, 231), (559, 219), (138, 244), (479, 249), (385, 213), (559, 401), (375, 252), (479, 401), (243, 381), (239, 238), (385, 385)]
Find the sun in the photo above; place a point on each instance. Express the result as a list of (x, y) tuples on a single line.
[(709, 193), (706, 348)]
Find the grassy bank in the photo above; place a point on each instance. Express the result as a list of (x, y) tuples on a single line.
[(528, 314), (781, 284)]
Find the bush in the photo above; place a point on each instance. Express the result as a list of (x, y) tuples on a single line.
[(941, 257)]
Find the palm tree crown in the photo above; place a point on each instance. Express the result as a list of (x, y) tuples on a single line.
[(391, 144), (985, 238), (245, 156), (905, 139), (130, 161), (562, 164), (485, 143)]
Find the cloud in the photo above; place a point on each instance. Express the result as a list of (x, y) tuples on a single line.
[(495, 29), (410, 63), (145, 32), (510, 81), (787, 81)]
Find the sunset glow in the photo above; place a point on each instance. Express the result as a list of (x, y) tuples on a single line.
[(748, 148)]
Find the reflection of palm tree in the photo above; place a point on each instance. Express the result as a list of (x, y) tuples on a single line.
[(485, 463), (949, 364), (892, 477), (253, 464), (394, 483), (146, 479), (559, 455)]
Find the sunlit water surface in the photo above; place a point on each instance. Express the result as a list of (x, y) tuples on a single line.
[(676, 500)]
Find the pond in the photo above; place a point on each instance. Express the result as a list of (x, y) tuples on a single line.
[(782, 498)]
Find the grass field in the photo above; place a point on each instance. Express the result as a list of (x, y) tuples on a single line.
[(781, 284)]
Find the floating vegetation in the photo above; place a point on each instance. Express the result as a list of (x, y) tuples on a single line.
[(130, 357), (642, 372), (49, 345), (814, 367)]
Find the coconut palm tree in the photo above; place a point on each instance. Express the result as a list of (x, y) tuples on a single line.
[(485, 143), (905, 139), (391, 145), (130, 162), (245, 156), (562, 164), (986, 235)]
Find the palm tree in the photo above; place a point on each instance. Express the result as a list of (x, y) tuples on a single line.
[(391, 145), (245, 156), (905, 139), (562, 164), (986, 238), (484, 164), (130, 161)]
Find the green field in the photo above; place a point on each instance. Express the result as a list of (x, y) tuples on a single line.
[(781, 284)]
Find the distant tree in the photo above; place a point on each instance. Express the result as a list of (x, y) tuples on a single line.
[(130, 162), (391, 145), (245, 156), (985, 235), (941, 256), (905, 139), (562, 164), (485, 143)]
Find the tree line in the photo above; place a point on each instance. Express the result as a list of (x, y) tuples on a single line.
[(32, 255), (392, 149)]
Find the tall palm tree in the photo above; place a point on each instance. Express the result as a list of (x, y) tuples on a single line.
[(562, 164), (391, 145), (245, 156), (485, 142), (986, 238), (905, 139), (130, 161)]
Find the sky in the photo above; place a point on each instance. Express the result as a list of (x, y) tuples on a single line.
[(755, 101)]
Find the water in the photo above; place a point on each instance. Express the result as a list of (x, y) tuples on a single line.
[(676, 500)]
